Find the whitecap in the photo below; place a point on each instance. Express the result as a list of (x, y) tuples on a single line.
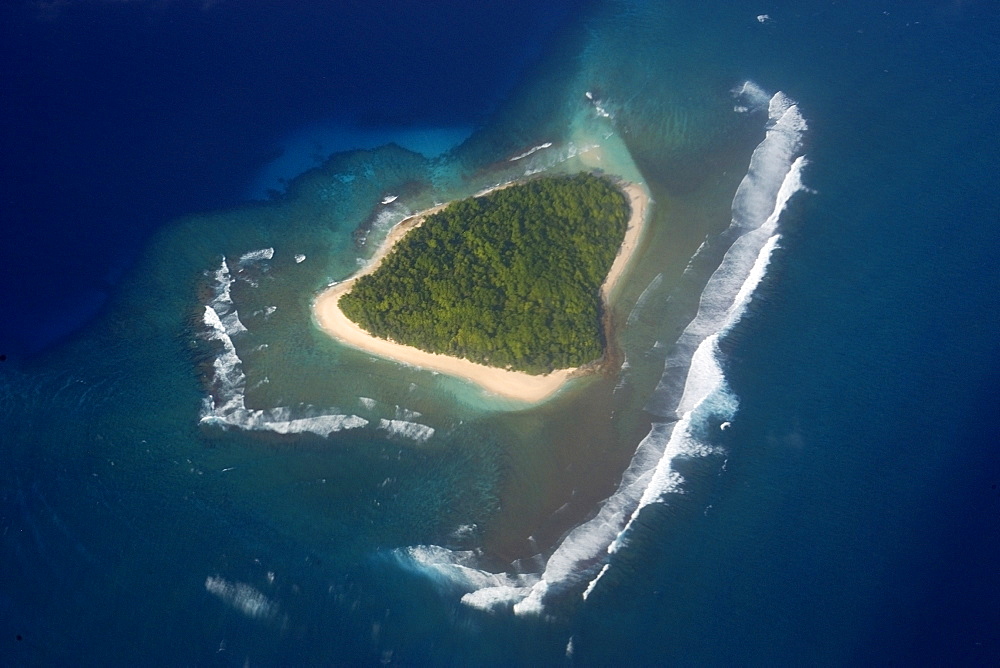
[(225, 406), (413, 431), (226, 318), (774, 169), (454, 569), (256, 256), (691, 395), (407, 414), (533, 149), (694, 362), (241, 597)]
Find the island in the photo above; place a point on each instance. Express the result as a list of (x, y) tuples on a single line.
[(507, 289)]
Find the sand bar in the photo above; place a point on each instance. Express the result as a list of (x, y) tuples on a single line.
[(511, 384)]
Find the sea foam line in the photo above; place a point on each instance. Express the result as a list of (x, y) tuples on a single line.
[(531, 150), (225, 405), (693, 372), (707, 398)]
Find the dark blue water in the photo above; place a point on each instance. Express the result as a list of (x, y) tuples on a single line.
[(122, 116), (869, 532), (851, 513)]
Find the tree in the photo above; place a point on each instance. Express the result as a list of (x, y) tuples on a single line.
[(508, 279)]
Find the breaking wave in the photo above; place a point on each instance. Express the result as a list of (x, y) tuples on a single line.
[(413, 431), (385, 220), (225, 404), (693, 369), (223, 309), (691, 398), (454, 569), (256, 256), (531, 150)]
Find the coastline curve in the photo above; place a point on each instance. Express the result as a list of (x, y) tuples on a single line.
[(515, 385)]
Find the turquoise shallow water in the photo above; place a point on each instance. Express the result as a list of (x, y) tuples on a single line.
[(800, 400)]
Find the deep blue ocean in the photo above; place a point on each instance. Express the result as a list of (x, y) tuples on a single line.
[(790, 457)]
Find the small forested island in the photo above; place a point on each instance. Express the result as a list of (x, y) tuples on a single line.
[(510, 279)]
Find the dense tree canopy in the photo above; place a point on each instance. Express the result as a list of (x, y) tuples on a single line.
[(510, 279)]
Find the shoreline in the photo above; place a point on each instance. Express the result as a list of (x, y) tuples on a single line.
[(510, 384)]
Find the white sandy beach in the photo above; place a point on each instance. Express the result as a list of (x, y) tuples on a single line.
[(512, 384)]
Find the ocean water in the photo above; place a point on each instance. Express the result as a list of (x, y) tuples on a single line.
[(788, 458)]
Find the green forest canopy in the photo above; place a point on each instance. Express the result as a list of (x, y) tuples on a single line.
[(510, 279)]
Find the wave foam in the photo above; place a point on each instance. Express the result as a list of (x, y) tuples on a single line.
[(225, 315), (692, 394), (225, 406), (255, 256), (694, 363), (242, 597), (533, 149), (774, 175), (385, 220), (751, 97), (406, 429), (407, 414), (454, 569)]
